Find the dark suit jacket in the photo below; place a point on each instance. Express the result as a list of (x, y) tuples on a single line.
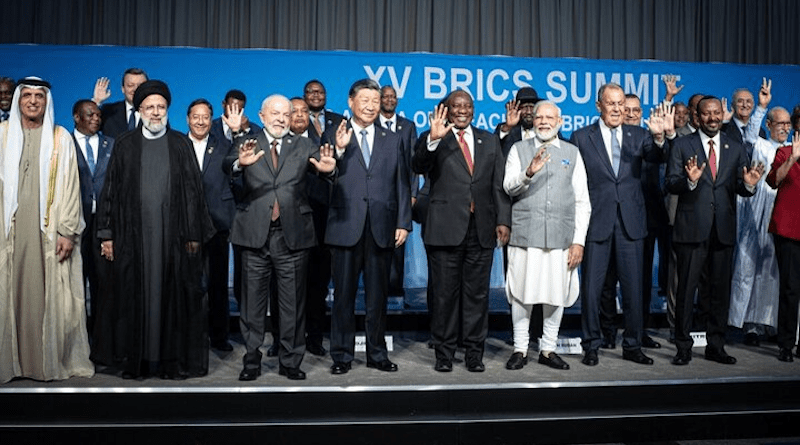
[(736, 134), (332, 121), (262, 185), (711, 200), (452, 189), (115, 122), (92, 185), (382, 191), (607, 191), (216, 184), (225, 145), (408, 135)]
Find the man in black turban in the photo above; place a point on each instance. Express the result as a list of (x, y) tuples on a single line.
[(153, 220)]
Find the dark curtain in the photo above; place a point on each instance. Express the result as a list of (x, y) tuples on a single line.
[(736, 31)]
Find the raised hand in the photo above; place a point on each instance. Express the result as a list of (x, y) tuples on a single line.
[(693, 170), (753, 174), (247, 154), (101, 91), (439, 122), (512, 113), (537, 162), (326, 163), (233, 117), (343, 135), (795, 147), (670, 80), (727, 113), (765, 93)]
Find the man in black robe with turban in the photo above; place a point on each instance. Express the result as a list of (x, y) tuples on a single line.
[(153, 220)]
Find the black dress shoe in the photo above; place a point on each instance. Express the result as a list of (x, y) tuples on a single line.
[(609, 342), (682, 358), (637, 356), (475, 365), (443, 365), (273, 350), (316, 349), (553, 361), (648, 342), (340, 368), (751, 339), (785, 355), (249, 374), (292, 373), (222, 345), (797, 352), (720, 357), (384, 365), (517, 361), (590, 358)]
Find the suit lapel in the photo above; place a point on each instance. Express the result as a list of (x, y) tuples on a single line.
[(102, 156), (210, 147), (727, 162), (478, 153), (452, 141), (596, 137)]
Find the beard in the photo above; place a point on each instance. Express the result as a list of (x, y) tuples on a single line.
[(548, 135), (279, 135), (154, 127)]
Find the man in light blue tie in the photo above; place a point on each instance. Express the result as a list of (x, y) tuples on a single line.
[(93, 151), (369, 217), (613, 154)]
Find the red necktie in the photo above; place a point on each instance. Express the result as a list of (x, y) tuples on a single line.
[(465, 150), (712, 159), (276, 210)]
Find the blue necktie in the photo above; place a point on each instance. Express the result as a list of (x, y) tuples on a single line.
[(389, 125), (3, 116), (132, 120), (90, 155), (365, 147), (615, 151)]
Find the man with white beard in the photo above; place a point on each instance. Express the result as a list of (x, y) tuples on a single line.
[(153, 220), (550, 211)]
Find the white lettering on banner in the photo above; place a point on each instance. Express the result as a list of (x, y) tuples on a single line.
[(479, 86), (483, 121), (398, 85), (574, 122), (581, 90)]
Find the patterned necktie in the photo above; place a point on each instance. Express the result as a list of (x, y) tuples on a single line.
[(365, 147), (316, 121), (712, 159), (90, 155), (615, 151), (273, 151), (465, 150), (132, 120)]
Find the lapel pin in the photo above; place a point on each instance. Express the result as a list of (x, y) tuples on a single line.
[(480, 142), (628, 134), (725, 146), (210, 149)]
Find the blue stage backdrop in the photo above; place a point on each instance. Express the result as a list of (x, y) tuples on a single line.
[(420, 79)]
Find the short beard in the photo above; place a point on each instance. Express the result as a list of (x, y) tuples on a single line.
[(278, 136), (154, 128), (546, 136)]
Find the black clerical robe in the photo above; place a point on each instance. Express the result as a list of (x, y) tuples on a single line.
[(122, 338)]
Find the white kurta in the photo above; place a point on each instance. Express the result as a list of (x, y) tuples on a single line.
[(755, 283), (64, 337), (535, 275)]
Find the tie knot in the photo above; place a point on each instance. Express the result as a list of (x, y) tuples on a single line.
[(711, 143), (461, 133), (274, 143), (614, 131), (364, 133)]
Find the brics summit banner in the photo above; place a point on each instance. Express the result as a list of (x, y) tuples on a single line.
[(420, 79)]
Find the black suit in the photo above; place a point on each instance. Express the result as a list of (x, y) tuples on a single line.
[(219, 198), (332, 121), (460, 235), (735, 133), (115, 119), (279, 248), (91, 186), (408, 135), (705, 233)]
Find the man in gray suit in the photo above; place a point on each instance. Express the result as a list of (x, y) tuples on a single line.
[(274, 190)]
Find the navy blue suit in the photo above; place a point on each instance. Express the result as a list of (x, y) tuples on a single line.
[(91, 186), (221, 207), (705, 233), (368, 204), (115, 120), (617, 227)]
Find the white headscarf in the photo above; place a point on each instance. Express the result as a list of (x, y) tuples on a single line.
[(12, 152)]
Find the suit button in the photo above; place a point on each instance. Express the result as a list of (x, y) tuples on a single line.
[(369, 177)]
